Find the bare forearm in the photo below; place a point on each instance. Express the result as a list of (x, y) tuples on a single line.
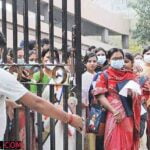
[(103, 100), (44, 107)]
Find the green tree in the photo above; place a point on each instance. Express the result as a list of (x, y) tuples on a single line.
[(135, 47), (142, 32)]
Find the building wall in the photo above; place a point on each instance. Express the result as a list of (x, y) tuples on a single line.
[(91, 23), (100, 16)]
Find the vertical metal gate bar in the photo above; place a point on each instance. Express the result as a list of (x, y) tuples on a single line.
[(38, 29), (4, 28), (51, 29), (26, 32), (26, 55), (73, 36), (4, 25), (16, 125), (39, 121), (78, 65), (65, 107), (52, 121), (64, 30), (15, 40), (39, 88), (73, 48), (27, 121)]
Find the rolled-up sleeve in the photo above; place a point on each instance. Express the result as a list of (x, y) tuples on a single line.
[(10, 87)]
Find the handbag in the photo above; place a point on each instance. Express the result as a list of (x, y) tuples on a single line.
[(96, 114), (96, 120)]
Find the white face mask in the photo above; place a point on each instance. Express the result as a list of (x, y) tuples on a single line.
[(101, 59), (147, 58), (117, 64), (20, 61), (32, 62), (49, 67), (138, 61)]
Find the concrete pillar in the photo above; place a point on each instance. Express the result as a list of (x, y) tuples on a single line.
[(105, 35), (125, 41)]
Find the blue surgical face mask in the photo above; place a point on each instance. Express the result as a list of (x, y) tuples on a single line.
[(101, 59), (117, 64)]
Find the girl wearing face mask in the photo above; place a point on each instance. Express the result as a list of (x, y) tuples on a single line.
[(146, 59), (138, 59), (45, 73), (90, 62), (102, 62), (121, 129), (146, 89)]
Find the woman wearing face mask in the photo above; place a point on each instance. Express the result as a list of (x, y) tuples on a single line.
[(44, 74), (31, 68), (146, 58), (138, 59), (145, 76), (90, 62), (102, 62), (121, 130)]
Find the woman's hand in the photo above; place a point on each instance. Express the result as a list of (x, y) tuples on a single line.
[(132, 93), (117, 116), (76, 121), (147, 86), (137, 68)]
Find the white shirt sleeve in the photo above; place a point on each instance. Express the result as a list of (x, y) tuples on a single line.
[(10, 87)]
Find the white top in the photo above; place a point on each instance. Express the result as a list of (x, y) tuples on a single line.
[(11, 88), (87, 79)]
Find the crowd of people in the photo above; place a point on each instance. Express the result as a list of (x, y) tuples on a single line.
[(14, 95), (108, 72), (105, 74)]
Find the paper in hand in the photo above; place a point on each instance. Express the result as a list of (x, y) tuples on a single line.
[(135, 87)]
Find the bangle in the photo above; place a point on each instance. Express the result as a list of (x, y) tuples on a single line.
[(70, 120)]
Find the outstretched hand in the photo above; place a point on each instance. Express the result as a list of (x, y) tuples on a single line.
[(77, 122)]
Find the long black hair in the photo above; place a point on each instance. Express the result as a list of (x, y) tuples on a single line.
[(129, 56), (87, 56)]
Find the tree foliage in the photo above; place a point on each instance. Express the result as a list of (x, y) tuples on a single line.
[(135, 47), (142, 32)]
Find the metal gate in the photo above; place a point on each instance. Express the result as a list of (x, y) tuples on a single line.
[(76, 50)]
